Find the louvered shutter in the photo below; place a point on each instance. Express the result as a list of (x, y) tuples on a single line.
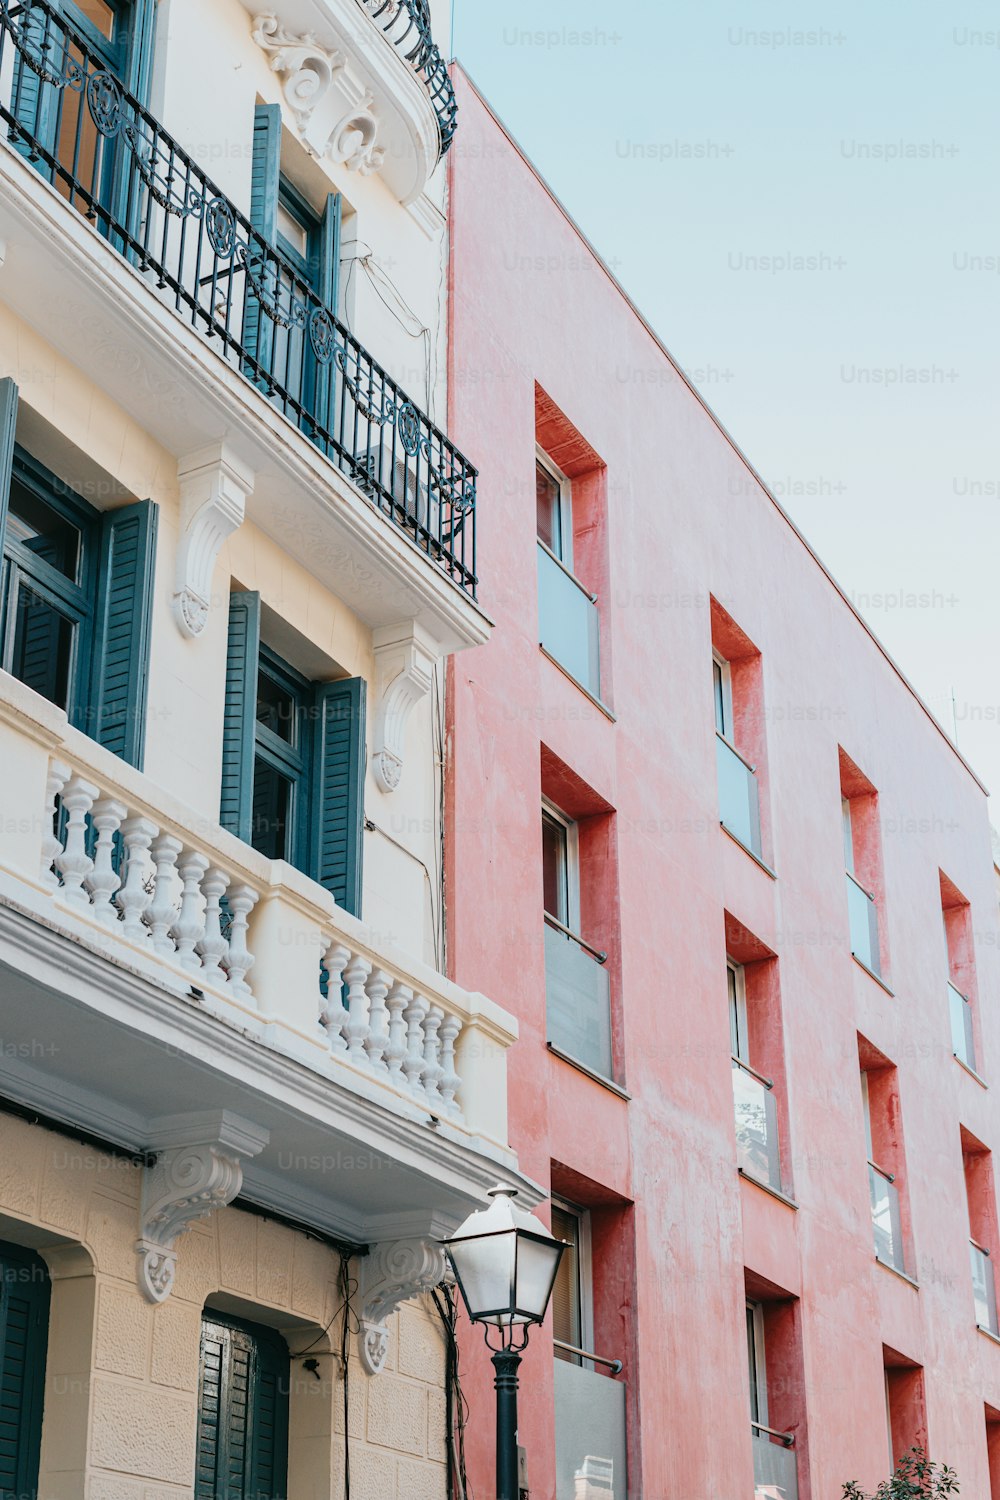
[(242, 1451), (44, 40), (324, 275), (236, 811), (265, 175), (8, 423), (24, 1319), (116, 713), (338, 789)]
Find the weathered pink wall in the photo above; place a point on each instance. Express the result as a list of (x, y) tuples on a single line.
[(686, 521)]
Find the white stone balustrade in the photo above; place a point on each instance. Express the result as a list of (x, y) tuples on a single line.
[(147, 882)]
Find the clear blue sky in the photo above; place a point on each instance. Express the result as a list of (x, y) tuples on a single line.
[(693, 139)]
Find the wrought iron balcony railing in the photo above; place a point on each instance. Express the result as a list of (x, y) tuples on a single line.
[(115, 164), (407, 24)]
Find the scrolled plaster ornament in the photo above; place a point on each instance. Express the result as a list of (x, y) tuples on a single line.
[(394, 1272)]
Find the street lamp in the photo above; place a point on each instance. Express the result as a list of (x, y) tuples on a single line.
[(505, 1262)]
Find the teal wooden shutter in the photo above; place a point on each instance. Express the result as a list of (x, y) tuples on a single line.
[(8, 423), (324, 275), (265, 175), (236, 811), (242, 1444), (24, 1323), (116, 713), (338, 789)]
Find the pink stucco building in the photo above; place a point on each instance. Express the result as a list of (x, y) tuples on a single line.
[(712, 850)]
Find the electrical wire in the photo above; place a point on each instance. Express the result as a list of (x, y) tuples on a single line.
[(346, 1293), (457, 1408)]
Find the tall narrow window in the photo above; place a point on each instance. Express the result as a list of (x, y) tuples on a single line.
[(242, 1445), (776, 1411), (571, 525), (24, 1322), (758, 1151), (293, 760), (984, 1236), (737, 700), (560, 869), (758, 1368), (906, 1412), (572, 1298), (862, 841), (886, 1157), (736, 983), (959, 947), (76, 598), (577, 983)]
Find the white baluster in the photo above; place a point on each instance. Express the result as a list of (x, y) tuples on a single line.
[(163, 907), (242, 900), (356, 1028), (213, 947), (450, 1082), (433, 1071), (133, 898), (74, 863), (332, 1014), (190, 925), (399, 998), (413, 1062), (103, 880), (378, 1021), (57, 778)]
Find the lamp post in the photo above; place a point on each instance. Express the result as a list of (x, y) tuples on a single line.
[(505, 1263)]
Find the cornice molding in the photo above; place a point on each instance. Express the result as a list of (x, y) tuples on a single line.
[(214, 488)]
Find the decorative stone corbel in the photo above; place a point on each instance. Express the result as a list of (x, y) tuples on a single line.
[(391, 1273), (334, 111), (199, 1167), (404, 670), (214, 489)]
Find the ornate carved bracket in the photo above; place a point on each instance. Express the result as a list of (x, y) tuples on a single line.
[(214, 489), (333, 109), (393, 1272), (199, 1167), (404, 669)]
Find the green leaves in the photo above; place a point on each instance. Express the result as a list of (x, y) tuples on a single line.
[(916, 1478)]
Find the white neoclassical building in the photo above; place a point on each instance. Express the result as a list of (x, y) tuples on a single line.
[(237, 1096)]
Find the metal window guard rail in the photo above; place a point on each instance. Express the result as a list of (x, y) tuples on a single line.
[(788, 1438), (889, 1176), (407, 25), (767, 1082), (113, 162), (616, 1366), (575, 937)]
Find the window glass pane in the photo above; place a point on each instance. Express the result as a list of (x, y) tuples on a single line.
[(567, 1320), (292, 230), (43, 530), (275, 707), (272, 796), (555, 871), (753, 1354), (43, 647), (549, 510), (845, 810), (720, 698), (735, 1027), (99, 13)]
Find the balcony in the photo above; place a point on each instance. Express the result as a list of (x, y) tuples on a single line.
[(984, 1289), (886, 1222), (963, 1042), (739, 796), (775, 1467), (756, 1126), (204, 333), (577, 999), (569, 625), (133, 929), (863, 916), (590, 1434)]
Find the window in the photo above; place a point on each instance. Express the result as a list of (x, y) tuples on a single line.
[(577, 983), (736, 981), (984, 1238), (737, 701), (309, 242), (75, 596), (554, 497), (242, 1445), (94, 36), (862, 841), (572, 548), (906, 1412), (886, 1157), (561, 868), (959, 947), (293, 760), (758, 1368), (572, 1297), (24, 1324), (777, 1404)]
